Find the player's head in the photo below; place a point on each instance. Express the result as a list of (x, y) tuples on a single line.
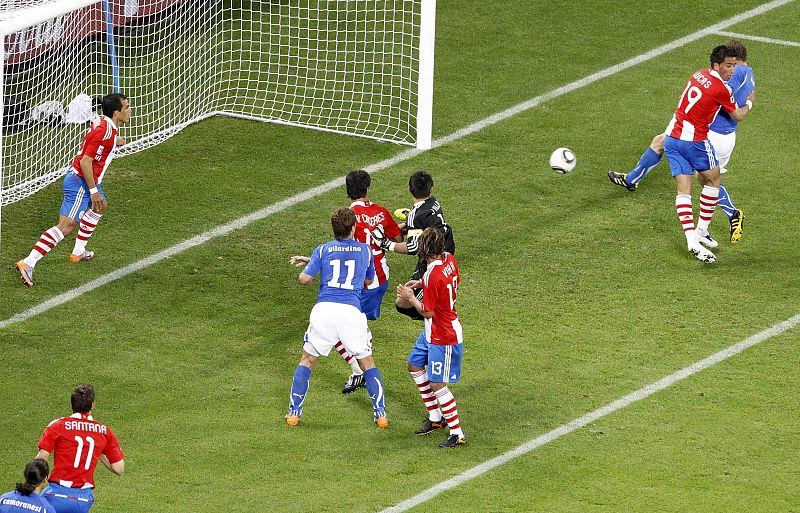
[(431, 243), (35, 473), (420, 185), (357, 184), (739, 48), (723, 61), (82, 398), (343, 221), (117, 107)]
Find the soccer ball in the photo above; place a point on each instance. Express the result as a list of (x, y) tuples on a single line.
[(563, 160)]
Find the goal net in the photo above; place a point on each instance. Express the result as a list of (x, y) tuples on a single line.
[(357, 67)]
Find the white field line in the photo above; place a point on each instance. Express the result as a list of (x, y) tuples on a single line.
[(758, 38), (225, 229), (599, 413)]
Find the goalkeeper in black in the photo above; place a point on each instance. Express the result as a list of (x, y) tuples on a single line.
[(426, 213)]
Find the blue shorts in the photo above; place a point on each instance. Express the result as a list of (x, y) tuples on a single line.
[(77, 199), (371, 301), (443, 362), (686, 157), (69, 500)]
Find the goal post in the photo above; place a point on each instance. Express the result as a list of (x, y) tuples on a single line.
[(355, 67)]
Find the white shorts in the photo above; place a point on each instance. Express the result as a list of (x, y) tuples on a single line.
[(334, 322), (723, 145)]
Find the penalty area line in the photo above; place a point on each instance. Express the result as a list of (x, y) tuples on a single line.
[(590, 417), (736, 35), (403, 156)]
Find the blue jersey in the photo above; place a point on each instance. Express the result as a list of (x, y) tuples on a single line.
[(343, 266), (742, 83), (15, 502)]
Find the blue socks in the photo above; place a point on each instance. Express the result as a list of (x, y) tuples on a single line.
[(724, 202), (299, 390), (649, 160), (376, 391)]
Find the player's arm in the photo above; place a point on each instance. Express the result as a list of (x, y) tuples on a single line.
[(407, 294), (312, 265), (739, 113), (118, 468), (42, 455)]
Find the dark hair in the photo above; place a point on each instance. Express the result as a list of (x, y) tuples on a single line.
[(720, 53), (112, 103), (357, 184), (431, 243), (420, 184), (35, 472), (739, 48), (342, 221), (82, 398)]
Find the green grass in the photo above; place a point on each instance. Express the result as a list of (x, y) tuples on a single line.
[(575, 293)]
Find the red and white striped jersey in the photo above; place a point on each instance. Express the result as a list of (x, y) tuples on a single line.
[(440, 286), (699, 104), (77, 442), (98, 143), (368, 217)]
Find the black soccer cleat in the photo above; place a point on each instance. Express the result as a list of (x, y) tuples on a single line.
[(430, 426), (354, 382), (453, 441), (619, 179)]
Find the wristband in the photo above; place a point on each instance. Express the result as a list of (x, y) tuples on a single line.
[(93, 190), (749, 104), (391, 246)]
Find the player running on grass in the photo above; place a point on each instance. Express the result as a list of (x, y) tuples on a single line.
[(84, 199)]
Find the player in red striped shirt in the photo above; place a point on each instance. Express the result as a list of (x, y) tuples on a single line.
[(435, 359), (84, 199), (77, 443)]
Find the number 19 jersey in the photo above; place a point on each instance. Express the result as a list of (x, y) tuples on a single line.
[(77, 442), (699, 104), (343, 266)]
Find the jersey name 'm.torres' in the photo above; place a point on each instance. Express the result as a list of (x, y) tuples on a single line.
[(368, 217), (440, 286), (98, 143), (699, 104), (77, 443)]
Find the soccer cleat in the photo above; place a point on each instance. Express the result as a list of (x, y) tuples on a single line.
[(85, 257), (737, 226), (702, 254), (619, 179), (382, 422), (25, 272), (430, 426), (292, 419), (354, 382), (453, 441), (706, 240)]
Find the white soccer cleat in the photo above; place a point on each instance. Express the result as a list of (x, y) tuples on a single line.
[(706, 240), (702, 253)]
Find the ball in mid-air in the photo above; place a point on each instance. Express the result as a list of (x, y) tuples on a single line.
[(563, 160)]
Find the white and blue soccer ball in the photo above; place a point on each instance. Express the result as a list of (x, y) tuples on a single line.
[(563, 160)]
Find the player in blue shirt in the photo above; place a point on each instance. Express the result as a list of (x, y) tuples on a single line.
[(26, 497), (721, 135), (345, 266)]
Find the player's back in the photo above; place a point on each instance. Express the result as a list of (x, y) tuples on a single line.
[(741, 83), (705, 92), (15, 502), (429, 214), (343, 266), (441, 282), (77, 443), (370, 216)]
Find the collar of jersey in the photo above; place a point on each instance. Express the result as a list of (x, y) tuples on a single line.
[(80, 416), (360, 203), (112, 123), (715, 74)]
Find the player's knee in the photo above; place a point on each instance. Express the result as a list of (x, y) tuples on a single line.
[(657, 145), (366, 363), (67, 226)]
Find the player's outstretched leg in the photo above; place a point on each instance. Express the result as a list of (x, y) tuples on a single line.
[(434, 420), (448, 404), (356, 379), (376, 393), (88, 224), (46, 243), (297, 396), (737, 226)]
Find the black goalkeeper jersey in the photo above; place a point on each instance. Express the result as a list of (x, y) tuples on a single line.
[(427, 214)]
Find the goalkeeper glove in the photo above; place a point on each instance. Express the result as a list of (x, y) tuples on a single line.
[(381, 240), (401, 214)]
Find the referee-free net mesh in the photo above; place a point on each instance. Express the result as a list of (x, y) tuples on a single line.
[(345, 66)]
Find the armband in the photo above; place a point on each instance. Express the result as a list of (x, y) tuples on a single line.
[(93, 190)]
